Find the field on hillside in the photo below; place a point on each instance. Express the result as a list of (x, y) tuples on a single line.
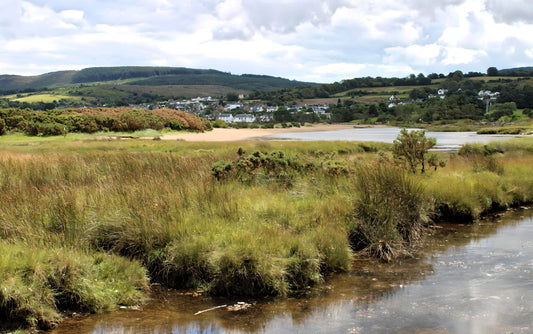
[(30, 98), (388, 89), (181, 90)]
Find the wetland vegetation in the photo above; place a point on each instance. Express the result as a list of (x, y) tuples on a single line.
[(86, 225)]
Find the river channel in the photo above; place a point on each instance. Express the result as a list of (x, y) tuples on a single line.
[(446, 141), (474, 278)]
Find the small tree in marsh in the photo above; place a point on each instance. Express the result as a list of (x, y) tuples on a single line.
[(412, 147)]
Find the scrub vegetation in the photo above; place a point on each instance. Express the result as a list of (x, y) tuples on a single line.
[(86, 225), (85, 120)]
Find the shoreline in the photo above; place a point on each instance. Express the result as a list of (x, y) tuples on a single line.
[(230, 134)]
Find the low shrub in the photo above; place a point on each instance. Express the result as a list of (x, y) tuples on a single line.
[(174, 125), (45, 129), (275, 166)]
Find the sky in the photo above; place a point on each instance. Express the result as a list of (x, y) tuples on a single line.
[(309, 40)]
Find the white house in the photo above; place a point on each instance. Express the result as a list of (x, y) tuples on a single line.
[(245, 118), (233, 106), (257, 108), (228, 118), (442, 93), (320, 109), (488, 94)]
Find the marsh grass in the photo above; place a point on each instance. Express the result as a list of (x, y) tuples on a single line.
[(109, 209), (391, 208), (39, 283), (467, 189)]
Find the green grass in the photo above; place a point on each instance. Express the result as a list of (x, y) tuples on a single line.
[(45, 98), (83, 217), (524, 129), (38, 283)]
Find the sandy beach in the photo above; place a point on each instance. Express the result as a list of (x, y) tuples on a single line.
[(251, 134)]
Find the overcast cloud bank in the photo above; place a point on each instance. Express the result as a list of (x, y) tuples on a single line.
[(309, 40)]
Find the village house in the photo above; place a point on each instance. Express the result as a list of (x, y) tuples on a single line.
[(257, 108), (228, 118), (244, 118), (442, 93), (265, 118), (233, 106), (487, 94), (320, 109)]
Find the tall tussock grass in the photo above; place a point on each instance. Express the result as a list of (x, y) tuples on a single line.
[(391, 209), (37, 284)]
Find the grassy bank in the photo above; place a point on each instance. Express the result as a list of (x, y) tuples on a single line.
[(85, 222)]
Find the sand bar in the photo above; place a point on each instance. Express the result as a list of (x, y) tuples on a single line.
[(221, 135)]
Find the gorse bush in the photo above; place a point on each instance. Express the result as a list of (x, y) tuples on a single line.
[(277, 166), (55, 122), (259, 166)]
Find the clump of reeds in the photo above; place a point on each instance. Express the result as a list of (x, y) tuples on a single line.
[(391, 210)]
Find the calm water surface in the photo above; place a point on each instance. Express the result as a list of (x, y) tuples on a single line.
[(470, 279), (446, 141)]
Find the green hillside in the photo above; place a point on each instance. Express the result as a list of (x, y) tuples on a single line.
[(241, 82), (98, 74), (19, 82), (146, 76), (517, 71)]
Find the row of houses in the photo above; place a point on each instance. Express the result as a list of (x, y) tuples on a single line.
[(199, 106), (241, 118)]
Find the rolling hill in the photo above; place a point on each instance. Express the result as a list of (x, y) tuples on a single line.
[(144, 76)]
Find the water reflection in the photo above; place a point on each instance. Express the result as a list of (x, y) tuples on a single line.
[(471, 279)]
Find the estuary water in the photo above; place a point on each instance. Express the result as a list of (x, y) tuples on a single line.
[(475, 278), (446, 141)]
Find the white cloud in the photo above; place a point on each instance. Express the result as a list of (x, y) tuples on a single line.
[(395, 70), (511, 11), (457, 56), (298, 39), (72, 15), (335, 71), (421, 55)]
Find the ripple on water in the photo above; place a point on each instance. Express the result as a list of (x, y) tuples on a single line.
[(477, 281)]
